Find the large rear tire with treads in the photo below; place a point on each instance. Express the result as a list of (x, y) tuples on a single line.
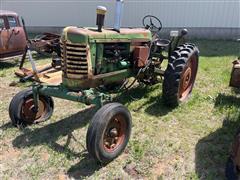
[(180, 75)]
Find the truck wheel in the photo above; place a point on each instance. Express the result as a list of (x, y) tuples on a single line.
[(109, 132), (180, 74), (21, 109)]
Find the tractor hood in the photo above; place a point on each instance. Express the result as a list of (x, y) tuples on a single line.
[(90, 35)]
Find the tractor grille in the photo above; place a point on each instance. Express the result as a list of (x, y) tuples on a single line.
[(74, 60)]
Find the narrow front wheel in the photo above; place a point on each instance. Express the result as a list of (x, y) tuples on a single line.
[(22, 111), (109, 132)]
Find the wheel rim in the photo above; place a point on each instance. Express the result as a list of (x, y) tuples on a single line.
[(115, 133), (29, 114), (188, 78)]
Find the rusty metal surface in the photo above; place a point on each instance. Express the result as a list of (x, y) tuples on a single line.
[(51, 76), (115, 133), (47, 42), (12, 37), (187, 77), (140, 55), (97, 80), (138, 32), (235, 75), (75, 60), (76, 35), (27, 110)]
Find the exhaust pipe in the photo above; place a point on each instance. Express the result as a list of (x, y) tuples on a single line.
[(118, 15), (101, 11)]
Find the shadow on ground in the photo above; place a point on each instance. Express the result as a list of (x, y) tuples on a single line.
[(7, 65), (153, 105), (49, 135), (212, 151), (86, 167)]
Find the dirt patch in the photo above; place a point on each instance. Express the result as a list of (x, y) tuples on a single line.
[(163, 166), (11, 153), (45, 156), (131, 170), (62, 176)]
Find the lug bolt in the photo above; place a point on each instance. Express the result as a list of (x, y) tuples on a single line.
[(107, 144), (113, 132)]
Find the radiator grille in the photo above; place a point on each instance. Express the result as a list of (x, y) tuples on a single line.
[(74, 60)]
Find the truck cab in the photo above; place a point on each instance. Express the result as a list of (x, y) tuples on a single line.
[(12, 35)]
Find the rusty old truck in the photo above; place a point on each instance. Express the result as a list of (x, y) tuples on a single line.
[(12, 35)]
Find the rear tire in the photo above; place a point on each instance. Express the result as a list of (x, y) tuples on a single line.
[(109, 132), (21, 109), (180, 75)]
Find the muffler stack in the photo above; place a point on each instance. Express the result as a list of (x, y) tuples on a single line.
[(101, 11), (118, 15)]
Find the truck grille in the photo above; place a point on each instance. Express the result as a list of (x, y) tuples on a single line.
[(74, 60)]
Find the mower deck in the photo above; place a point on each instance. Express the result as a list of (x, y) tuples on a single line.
[(51, 76)]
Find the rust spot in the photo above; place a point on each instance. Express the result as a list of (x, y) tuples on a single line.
[(140, 55), (235, 80), (12, 37), (51, 76)]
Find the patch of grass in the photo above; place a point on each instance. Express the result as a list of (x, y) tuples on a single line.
[(189, 142), (138, 148), (3, 73)]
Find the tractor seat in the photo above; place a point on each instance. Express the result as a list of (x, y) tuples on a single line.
[(163, 43)]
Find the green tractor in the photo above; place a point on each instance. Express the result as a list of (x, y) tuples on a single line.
[(96, 61)]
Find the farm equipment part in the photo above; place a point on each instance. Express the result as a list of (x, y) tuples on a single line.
[(46, 44), (94, 59), (235, 75)]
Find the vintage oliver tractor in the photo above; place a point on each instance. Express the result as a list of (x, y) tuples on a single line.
[(94, 60)]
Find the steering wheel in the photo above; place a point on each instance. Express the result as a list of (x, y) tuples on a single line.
[(149, 22)]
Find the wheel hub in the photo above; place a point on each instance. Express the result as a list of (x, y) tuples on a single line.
[(186, 78), (114, 134), (30, 113)]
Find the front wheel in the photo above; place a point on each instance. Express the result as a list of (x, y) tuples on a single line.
[(109, 132), (22, 111), (180, 75)]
